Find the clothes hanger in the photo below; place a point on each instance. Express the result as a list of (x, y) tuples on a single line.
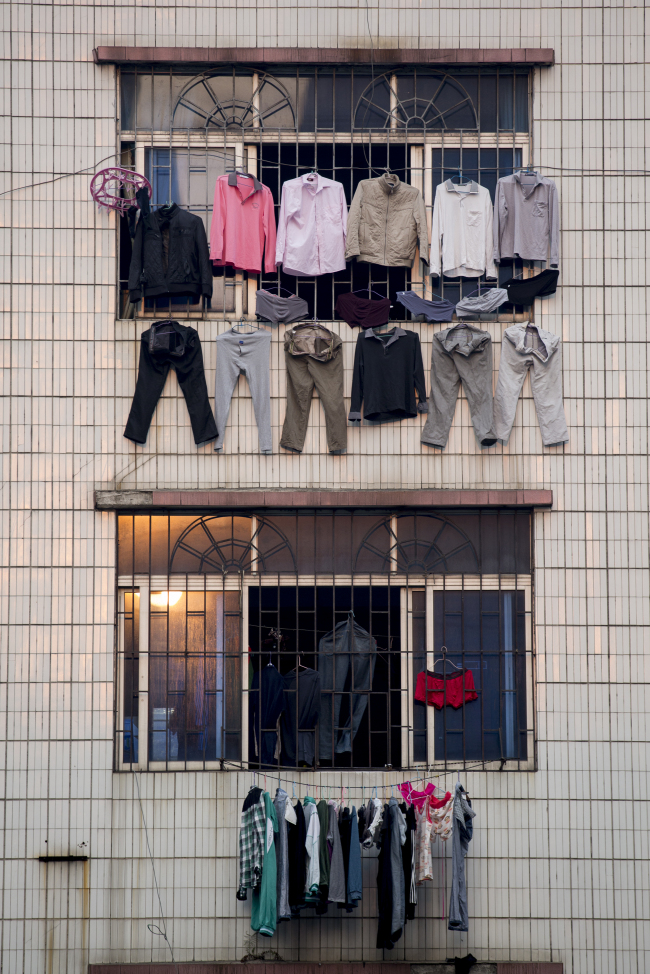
[(370, 291), (166, 207), (280, 288), (242, 321), (462, 180), (388, 325), (444, 659)]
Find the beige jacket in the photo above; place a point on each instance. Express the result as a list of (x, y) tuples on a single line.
[(387, 221)]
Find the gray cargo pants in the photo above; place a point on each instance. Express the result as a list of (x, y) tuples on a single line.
[(545, 366), (303, 373), (473, 367)]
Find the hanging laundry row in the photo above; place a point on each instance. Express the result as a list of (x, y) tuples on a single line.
[(308, 855), (386, 225), (387, 377)]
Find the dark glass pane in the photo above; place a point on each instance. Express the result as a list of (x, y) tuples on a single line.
[(127, 101), (324, 101), (306, 108), (521, 103), (506, 101), (488, 103), (343, 102)]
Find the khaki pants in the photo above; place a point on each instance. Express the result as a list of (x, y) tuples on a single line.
[(303, 373)]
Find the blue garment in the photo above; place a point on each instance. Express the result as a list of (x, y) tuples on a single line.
[(355, 882), (266, 703), (436, 309)]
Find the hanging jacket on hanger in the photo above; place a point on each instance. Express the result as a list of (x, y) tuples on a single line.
[(170, 256), (387, 223)]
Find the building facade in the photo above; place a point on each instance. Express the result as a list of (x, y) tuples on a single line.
[(144, 585)]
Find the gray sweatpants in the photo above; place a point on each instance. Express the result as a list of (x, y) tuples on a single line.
[(242, 354), (545, 383), (448, 370), (460, 839)]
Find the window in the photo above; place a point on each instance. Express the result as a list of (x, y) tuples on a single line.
[(325, 639), (183, 130)]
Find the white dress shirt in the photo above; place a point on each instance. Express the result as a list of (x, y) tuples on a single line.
[(312, 226), (462, 230)]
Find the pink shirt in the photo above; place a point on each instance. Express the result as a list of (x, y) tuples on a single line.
[(312, 226), (242, 220)]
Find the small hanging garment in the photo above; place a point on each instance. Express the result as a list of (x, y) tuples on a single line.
[(417, 798), (442, 810), (373, 816), (323, 857), (354, 882), (439, 691), (463, 815), (424, 832), (363, 312), (297, 862), (337, 890), (282, 855), (266, 703), (384, 885), (264, 905), (251, 842), (312, 848), (408, 861)]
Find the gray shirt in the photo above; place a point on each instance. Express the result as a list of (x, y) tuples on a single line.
[(526, 218)]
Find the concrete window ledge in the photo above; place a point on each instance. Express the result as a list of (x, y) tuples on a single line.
[(525, 967), (181, 500)]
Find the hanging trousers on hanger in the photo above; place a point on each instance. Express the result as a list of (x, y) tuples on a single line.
[(244, 354), (346, 652), (184, 355), (460, 354)]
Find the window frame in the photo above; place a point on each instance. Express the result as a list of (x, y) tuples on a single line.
[(143, 585), (248, 142)]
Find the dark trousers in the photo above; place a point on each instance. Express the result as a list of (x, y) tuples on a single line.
[(152, 374)]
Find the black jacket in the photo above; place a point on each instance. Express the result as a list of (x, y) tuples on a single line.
[(387, 370), (176, 256)]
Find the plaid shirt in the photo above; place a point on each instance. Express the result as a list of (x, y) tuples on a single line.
[(251, 845)]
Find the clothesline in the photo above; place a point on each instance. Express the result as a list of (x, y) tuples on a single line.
[(287, 778)]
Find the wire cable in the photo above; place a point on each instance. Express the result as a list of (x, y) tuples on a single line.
[(64, 175), (153, 927)]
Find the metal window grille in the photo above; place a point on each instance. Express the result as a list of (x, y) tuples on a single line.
[(226, 655), (183, 130)]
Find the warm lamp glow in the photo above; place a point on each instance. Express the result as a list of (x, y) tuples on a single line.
[(162, 599)]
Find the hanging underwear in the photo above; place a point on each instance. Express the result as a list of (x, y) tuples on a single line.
[(273, 307), (363, 312), (437, 309), (422, 798), (440, 690), (482, 303), (525, 291)]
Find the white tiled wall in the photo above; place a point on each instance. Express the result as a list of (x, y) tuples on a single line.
[(559, 865)]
